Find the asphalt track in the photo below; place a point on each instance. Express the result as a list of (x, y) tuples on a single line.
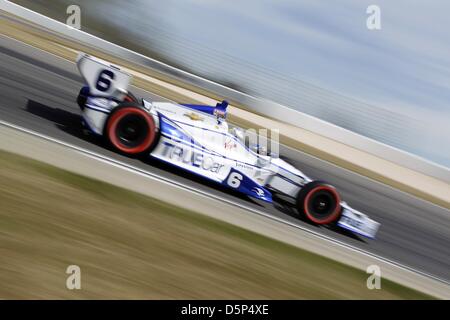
[(38, 91)]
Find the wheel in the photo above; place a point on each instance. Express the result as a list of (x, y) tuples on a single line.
[(319, 202), (82, 96), (131, 130), (130, 98)]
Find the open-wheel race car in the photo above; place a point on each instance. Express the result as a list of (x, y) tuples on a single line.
[(197, 138)]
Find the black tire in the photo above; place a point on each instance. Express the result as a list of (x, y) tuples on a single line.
[(319, 203), (132, 130)]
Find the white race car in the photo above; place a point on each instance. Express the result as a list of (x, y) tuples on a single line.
[(197, 138)]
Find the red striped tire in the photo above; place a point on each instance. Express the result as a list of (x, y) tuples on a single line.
[(131, 130), (319, 202), (130, 98)]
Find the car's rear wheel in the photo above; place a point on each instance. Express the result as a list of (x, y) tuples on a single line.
[(130, 98), (131, 130), (319, 203)]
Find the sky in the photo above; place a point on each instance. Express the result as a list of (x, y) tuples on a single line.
[(328, 43), (283, 49), (315, 56)]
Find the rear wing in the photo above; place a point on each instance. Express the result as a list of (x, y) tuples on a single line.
[(103, 78)]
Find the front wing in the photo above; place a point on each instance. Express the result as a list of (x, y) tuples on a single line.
[(357, 222)]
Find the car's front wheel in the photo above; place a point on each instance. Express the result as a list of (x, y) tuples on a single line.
[(319, 203), (131, 130)]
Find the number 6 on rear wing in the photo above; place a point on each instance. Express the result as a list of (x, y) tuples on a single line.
[(103, 78)]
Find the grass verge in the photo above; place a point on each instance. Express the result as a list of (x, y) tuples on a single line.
[(131, 246)]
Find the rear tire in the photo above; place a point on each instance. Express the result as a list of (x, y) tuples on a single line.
[(130, 98), (131, 130), (319, 203)]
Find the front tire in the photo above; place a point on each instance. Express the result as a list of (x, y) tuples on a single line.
[(319, 203), (131, 130)]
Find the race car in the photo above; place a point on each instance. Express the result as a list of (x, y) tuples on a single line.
[(197, 138)]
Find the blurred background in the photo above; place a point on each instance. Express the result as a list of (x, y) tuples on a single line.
[(317, 57)]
